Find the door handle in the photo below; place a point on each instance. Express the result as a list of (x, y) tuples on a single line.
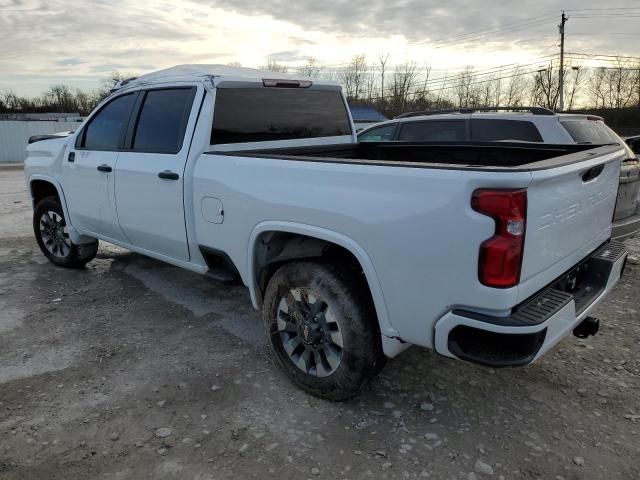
[(592, 173), (71, 157), (168, 175), (105, 168)]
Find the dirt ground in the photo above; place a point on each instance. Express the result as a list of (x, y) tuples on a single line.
[(133, 369)]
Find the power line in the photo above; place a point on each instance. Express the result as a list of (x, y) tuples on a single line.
[(489, 31), (406, 94), (600, 9), (513, 67), (491, 34), (603, 55)]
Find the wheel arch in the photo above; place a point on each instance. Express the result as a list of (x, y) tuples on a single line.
[(307, 241), (41, 186)]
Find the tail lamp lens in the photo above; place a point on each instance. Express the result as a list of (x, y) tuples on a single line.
[(500, 259)]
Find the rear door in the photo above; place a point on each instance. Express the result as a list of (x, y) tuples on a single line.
[(149, 183)]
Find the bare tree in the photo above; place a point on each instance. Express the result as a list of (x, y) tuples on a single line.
[(353, 77), (596, 86), (463, 88), (402, 82), (272, 65), (382, 65), (515, 90), (424, 93), (620, 84), (546, 89), (311, 68), (234, 64), (573, 82), (10, 100)]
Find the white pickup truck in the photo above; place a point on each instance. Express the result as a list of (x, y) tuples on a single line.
[(488, 253)]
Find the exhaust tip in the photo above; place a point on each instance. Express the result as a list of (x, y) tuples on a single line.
[(587, 328)]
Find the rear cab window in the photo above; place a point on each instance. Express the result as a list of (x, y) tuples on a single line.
[(488, 130), (261, 114)]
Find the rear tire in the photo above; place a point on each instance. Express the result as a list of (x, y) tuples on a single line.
[(51, 231), (323, 329)]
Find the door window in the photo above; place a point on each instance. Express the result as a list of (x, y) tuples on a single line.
[(433, 131), (107, 128), (163, 120), (378, 134)]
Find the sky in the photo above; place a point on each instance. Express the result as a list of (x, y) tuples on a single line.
[(80, 43)]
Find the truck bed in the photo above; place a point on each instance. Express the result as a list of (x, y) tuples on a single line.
[(511, 156)]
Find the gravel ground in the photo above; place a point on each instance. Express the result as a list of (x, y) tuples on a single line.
[(135, 369)]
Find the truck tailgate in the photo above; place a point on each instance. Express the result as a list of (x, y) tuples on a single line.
[(569, 214)]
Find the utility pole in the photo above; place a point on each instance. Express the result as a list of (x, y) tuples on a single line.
[(563, 20)]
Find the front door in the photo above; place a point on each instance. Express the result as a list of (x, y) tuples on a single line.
[(88, 169), (149, 179)]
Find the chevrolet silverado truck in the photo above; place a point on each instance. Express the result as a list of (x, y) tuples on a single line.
[(485, 252)]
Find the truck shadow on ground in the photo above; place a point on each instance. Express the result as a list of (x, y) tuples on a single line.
[(417, 369)]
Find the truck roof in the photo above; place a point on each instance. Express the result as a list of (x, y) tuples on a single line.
[(191, 72)]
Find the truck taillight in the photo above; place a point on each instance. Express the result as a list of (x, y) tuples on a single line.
[(500, 258)]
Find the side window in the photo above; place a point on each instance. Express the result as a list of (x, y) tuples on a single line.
[(590, 131), (379, 134), (106, 130), (503, 130), (163, 120), (433, 131)]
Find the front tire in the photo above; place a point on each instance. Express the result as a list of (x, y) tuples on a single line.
[(323, 329), (51, 231)]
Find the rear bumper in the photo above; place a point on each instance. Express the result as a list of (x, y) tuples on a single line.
[(625, 228), (538, 323)]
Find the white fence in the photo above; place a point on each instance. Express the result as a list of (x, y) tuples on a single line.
[(14, 136)]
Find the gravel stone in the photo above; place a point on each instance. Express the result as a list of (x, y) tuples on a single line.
[(483, 468), (163, 432)]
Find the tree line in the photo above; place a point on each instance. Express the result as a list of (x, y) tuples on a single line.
[(59, 99), (409, 86)]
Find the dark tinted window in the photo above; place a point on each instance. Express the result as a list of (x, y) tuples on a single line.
[(163, 120), (433, 131), (106, 130), (501, 130), (590, 131), (262, 114), (379, 134)]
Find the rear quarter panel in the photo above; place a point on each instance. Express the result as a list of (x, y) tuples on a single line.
[(414, 224)]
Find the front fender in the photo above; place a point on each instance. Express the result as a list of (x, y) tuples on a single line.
[(75, 236)]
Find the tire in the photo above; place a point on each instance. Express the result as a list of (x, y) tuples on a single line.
[(50, 229), (323, 329)]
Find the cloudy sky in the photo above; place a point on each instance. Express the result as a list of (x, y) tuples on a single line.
[(44, 42)]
